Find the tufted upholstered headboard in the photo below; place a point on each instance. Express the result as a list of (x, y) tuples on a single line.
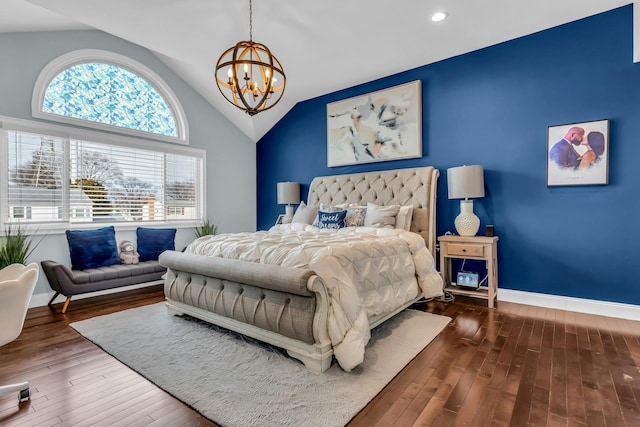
[(414, 186)]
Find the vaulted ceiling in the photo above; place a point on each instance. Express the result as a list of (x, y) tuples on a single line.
[(324, 46)]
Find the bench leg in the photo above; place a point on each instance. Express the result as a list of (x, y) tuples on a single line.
[(66, 304), (54, 297)]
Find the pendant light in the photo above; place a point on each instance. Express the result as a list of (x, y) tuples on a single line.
[(249, 76)]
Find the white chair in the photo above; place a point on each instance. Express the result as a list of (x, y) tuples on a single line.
[(16, 287)]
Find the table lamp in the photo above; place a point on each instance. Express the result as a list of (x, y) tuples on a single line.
[(466, 182), (288, 194)]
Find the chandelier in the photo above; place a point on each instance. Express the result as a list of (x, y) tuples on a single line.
[(249, 76)]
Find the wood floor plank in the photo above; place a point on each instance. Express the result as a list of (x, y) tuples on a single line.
[(459, 393), (115, 412), (539, 411), (524, 396), (558, 387), (623, 382), (137, 415), (70, 411), (592, 396), (467, 412), (576, 411), (514, 365), (503, 411), (611, 408)]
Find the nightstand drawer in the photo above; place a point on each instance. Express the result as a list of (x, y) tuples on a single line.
[(465, 249)]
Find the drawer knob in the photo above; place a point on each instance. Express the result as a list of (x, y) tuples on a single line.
[(464, 250)]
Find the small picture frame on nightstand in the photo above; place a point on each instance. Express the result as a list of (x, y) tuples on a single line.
[(279, 220)]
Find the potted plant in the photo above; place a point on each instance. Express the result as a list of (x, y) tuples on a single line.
[(15, 246), (206, 229)]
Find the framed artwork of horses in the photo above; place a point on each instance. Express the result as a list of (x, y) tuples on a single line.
[(375, 127)]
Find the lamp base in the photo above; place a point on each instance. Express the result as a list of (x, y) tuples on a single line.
[(467, 223), (288, 214)]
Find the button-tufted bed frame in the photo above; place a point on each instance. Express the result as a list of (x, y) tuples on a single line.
[(415, 186), (283, 306)]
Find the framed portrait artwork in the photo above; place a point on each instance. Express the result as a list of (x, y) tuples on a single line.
[(578, 154), (375, 127)]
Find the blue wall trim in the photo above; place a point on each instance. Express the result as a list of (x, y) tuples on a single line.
[(492, 107)]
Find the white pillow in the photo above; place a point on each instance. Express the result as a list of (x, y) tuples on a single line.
[(381, 216), (404, 217), (305, 214)]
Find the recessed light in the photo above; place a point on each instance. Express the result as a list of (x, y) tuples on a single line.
[(439, 16)]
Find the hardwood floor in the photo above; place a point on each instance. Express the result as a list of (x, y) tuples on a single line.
[(515, 365)]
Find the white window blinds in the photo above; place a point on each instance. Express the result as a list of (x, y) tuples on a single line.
[(66, 180), (36, 177)]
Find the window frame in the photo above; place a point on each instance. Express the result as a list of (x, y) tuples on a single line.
[(69, 133), (68, 60)]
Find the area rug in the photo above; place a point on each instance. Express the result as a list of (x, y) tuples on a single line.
[(236, 381)]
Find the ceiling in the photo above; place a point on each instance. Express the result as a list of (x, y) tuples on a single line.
[(324, 46)]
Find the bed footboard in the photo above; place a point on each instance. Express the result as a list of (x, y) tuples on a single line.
[(283, 306)]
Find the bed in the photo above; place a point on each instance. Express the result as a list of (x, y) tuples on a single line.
[(315, 293)]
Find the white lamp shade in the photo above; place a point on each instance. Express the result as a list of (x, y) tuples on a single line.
[(465, 182), (288, 193)]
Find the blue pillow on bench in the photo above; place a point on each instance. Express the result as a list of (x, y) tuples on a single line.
[(93, 248), (153, 241)]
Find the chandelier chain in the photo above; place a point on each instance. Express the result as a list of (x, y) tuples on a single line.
[(250, 21)]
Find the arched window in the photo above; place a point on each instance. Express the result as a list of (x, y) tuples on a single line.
[(107, 91), (61, 175)]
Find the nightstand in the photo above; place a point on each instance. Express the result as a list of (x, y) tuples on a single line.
[(475, 247)]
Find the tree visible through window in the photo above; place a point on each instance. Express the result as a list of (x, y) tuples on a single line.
[(111, 95), (106, 182)]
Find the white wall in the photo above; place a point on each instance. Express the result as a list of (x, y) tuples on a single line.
[(231, 170)]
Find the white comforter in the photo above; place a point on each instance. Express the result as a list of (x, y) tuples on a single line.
[(367, 271)]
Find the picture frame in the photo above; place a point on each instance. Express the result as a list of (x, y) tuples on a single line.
[(578, 154), (375, 127)]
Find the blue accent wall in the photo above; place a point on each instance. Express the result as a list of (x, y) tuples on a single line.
[(492, 107)]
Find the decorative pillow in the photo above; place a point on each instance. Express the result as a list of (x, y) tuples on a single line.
[(327, 209), (332, 220), (93, 248), (305, 214), (381, 216), (404, 217), (153, 241), (331, 208), (355, 216)]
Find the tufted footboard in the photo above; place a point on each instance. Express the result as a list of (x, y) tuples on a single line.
[(286, 307)]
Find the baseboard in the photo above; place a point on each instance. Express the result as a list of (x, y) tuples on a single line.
[(42, 299), (580, 305)]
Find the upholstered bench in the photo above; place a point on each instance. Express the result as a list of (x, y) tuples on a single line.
[(96, 265), (75, 282)]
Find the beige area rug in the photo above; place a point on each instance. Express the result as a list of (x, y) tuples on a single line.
[(235, 381)]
